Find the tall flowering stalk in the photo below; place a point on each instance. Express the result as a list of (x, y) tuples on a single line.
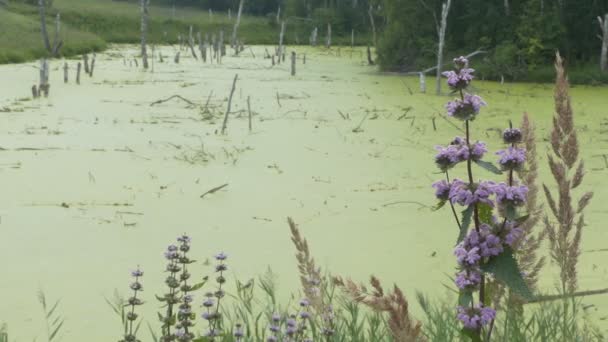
[(171, 298), (132, 302), (213, 300), (185, 316), (489, 226)]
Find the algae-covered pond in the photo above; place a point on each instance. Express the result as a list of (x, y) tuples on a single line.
[(96, 179)]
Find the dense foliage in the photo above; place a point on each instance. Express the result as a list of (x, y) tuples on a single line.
[(520, 36)]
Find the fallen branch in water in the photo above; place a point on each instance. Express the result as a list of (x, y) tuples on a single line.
[(422, 205), (173, 97), (548, 298), (216, 189)]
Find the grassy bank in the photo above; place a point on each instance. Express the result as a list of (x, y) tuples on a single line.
[(88, 25)]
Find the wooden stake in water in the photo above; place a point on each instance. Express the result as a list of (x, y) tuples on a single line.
[(78, 72), (176, 59), (328, 36), (92, 65), (249, 109), (65, 72), (144, 31), (85, 58), (293, 63), (225, 123), (35, 93)]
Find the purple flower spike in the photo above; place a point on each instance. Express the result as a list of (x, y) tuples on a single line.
[(468, 279), (221, 256), (459, 79), (512, 135), (465, 109), (477, 150), (461, 62), (476, 317), (137, 273), (442, 190), (514, 195), (460, 192), (513, 158)]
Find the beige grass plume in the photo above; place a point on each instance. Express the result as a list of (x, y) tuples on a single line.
[(402, 327), (564, 230)]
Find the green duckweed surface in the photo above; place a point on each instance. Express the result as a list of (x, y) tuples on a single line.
[(95, 180)]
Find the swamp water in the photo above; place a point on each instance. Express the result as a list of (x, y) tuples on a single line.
[(95, 180)]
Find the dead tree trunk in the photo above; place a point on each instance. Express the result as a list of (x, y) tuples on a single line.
[(201, 47), (65, 72), (78, 72), (372, 22), (225, 123), (191, 43), (293, 63), (85, 58), (92, 65), (445, 9), (507, 7), (45, 34), (328, 36), (43, 86), (214, 48), (237, 23), (281, 37), (58, 42), (279, 15), (144, 31), (313, 36), (604, 37), (422, 83), (222, 45)]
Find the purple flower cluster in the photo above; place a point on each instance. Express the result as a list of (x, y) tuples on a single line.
[(458, 151), (509, 231), (468, 279), (459, 78), (475, 317), (477, 245), (512, 135), (465, 194), (466, 108), (513, 158), (511, 195)]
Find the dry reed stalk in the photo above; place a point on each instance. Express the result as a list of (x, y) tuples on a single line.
[(529, 262), (402, 327), (310, 274), (565, 231)]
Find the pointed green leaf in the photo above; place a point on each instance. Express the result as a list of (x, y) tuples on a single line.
[(485, 213), (55, 331), (198, 286), (465, 298), (439, 205), (511, 212), (489, 166), (522, 219), (505, 269), (467, 214), (475, 336)]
